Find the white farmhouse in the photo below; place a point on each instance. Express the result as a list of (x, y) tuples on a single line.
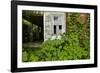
[(54, 24)]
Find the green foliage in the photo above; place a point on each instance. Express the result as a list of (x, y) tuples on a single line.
[(25, 22), (73, 45), (24, 56)]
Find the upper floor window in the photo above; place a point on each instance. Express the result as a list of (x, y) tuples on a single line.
[(55, 18)]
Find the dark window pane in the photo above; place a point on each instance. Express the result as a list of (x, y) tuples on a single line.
[(60, 27), (55, 17), (54, 29)]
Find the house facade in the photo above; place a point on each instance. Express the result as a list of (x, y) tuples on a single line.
[(54, 24)]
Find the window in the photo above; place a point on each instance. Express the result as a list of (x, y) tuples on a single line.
[(60, 27), (55, 17), (54, 29)]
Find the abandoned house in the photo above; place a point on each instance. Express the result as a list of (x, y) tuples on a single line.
[(43, 25)]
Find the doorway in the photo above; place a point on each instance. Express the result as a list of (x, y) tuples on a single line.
[(32, 28)]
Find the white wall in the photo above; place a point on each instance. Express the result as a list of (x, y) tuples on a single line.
[(49, 24), (5, 37)]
